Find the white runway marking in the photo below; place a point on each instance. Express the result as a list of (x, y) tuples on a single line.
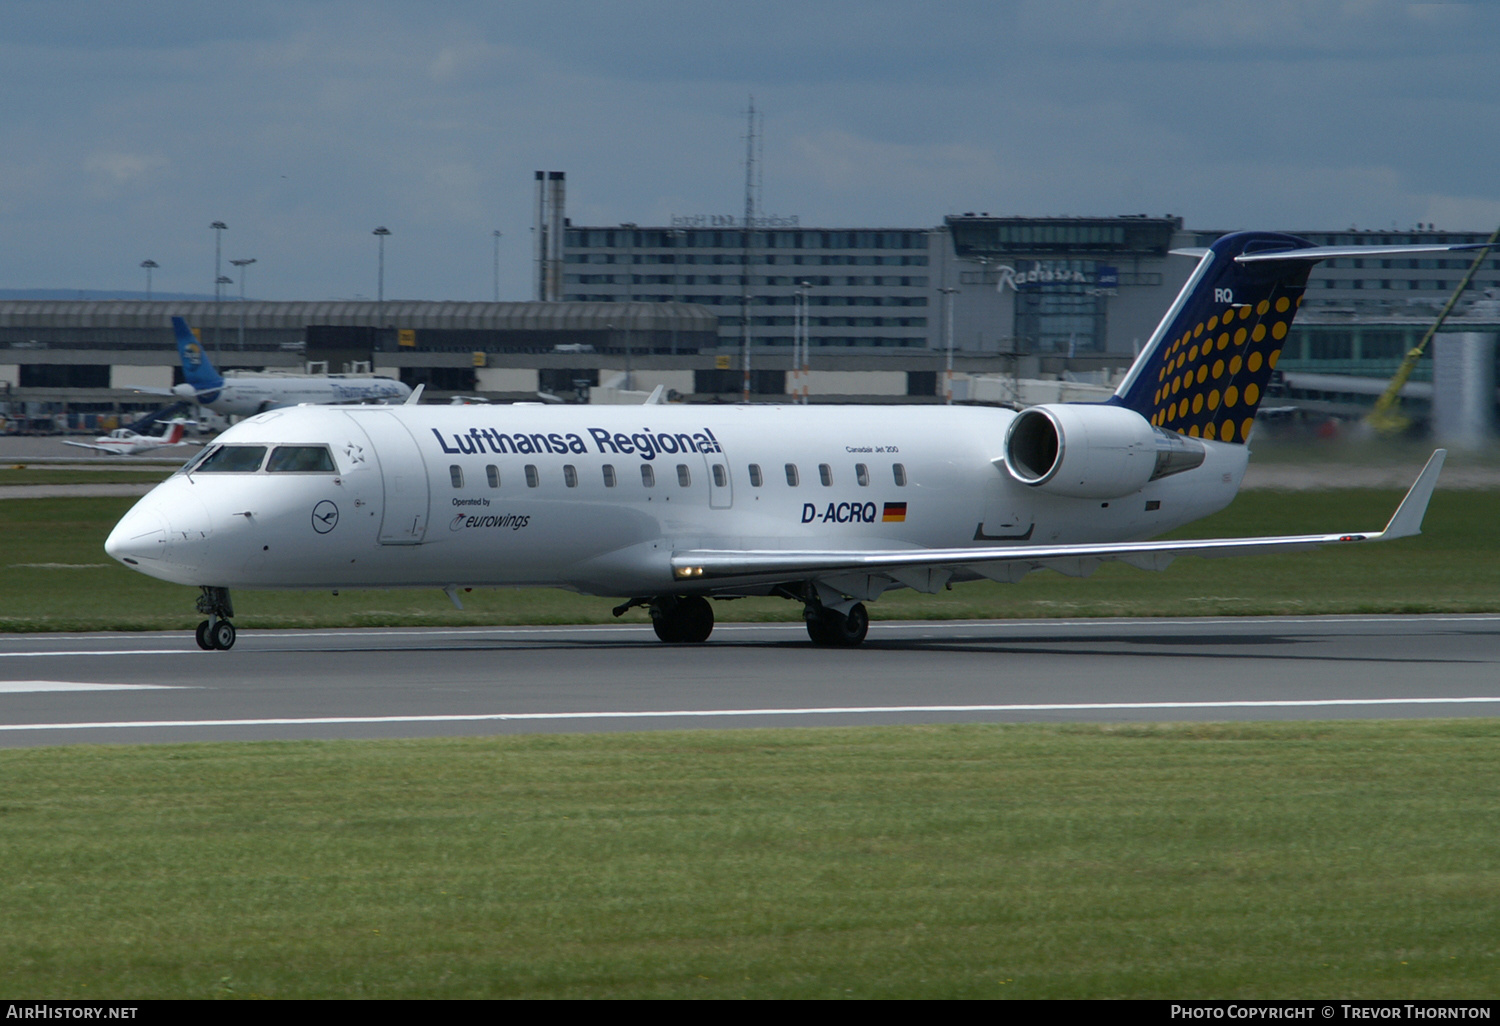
[(712, 713), (21, 687), (98, 652)]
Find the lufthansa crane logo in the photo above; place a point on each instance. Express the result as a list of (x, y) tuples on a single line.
[(325, 517)]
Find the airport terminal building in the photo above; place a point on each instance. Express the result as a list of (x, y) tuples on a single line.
[(674, 304)]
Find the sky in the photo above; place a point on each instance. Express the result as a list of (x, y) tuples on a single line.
[(127, 129)]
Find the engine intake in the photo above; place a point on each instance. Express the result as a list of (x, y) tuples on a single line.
[(1091, 451)]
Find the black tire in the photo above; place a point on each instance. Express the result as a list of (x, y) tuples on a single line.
[(667, 627), (855, 626), (204, 641), (838, 629), (222, 635), (820, 631), (695, 619)]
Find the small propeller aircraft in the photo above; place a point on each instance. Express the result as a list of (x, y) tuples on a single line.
[(125, 442)]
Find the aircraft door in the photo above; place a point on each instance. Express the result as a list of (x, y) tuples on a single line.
[(403, 476)]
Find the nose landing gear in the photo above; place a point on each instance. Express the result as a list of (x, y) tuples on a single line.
[(216, 633)]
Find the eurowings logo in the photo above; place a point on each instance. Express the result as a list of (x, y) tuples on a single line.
[(512, 521)]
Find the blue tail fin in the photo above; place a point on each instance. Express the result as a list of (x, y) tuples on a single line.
[(1206, 367), (196, 368)]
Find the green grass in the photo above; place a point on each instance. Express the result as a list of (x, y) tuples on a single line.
[(55, 576), (19, 475), (1349, 860)]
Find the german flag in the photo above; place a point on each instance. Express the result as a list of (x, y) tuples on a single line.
[(894, 513)]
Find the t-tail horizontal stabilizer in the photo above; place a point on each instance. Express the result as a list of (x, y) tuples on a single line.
[(773, 565)]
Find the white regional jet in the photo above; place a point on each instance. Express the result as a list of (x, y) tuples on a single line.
[(671, 506), (245, 394)]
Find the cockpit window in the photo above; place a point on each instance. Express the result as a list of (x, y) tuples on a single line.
[(232, 459), (301, 459)]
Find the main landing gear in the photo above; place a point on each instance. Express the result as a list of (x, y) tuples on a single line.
[(217, 632), (833, 629), (677, 619), (689, 619)]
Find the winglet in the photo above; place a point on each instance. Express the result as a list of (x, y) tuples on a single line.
[(1407, 520), (657, 397), (415, 397)]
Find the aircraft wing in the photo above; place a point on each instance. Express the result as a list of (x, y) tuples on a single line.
[(112, 450), (1149, 555)]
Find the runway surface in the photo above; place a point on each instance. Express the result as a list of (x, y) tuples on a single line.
[(152, 688)]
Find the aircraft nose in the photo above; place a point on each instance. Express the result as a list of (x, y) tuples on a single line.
[(167, 534), (140, 536)]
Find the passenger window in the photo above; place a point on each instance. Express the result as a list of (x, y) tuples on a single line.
[(684, 476), (648, 476), (532, 477), (862, 475), (570, 475), (825, 474), (456, 473), (609, 475), (721, 476), (493, 473), (791, 474), (233, 459), (755, 480), (899, 470), (301, 459)]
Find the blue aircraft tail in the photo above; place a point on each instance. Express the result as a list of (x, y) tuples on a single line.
[(196, 368), (1205, 370)]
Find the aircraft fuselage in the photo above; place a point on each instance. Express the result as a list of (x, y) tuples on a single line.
[(598, 499), (243, 395)]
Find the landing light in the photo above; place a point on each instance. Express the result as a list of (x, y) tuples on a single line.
[(689, 571)]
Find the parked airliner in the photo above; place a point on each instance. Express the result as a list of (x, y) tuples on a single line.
[(245, 394), (671, 506)]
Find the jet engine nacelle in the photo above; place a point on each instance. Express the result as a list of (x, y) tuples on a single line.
[(1092, 451)]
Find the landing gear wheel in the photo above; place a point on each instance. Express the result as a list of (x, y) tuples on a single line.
[(696, 617), (842, 630), (216, 632), (667, 629), (688, 620)]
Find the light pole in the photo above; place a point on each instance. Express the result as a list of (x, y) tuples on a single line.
[(380, 233), (629, 299), (948, 374), (219, 228), (242, 264), (149, 265), (497, 264)]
